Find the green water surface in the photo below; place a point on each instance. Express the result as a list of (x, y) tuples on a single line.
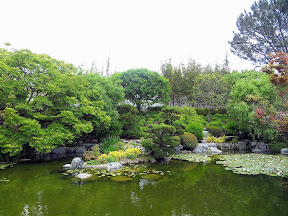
[(191, 189)]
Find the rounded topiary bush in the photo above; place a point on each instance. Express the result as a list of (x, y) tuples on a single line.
[(189, 140), (215, 131)]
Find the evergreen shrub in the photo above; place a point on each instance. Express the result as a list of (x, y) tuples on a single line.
[(189, 140), (215, 131)]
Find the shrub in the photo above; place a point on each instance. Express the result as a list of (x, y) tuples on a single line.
[(216, 124), (163, 140), (133, 151), (109, 144), (93, 154), (215, 131), (231, 128), (188, 140), (196, 129), (277, 146), (110, 159), (212, 139), (92, 162), (116, 154), (131, 156)]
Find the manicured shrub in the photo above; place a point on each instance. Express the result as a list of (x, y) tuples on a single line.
[(277, 146), (162, 142), (188, 140), (110, 159), (196, 129), (93, 154), (215, 131)]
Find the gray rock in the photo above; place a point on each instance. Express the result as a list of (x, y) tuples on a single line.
[(83, 175), (178, 148), (59, 150), (70, 150), (214, 150), (67, 166), (80, 149), (257, 151), (284, 151), (203, 147), (263, 146), (114, 166), (242, 145), (77, 163)]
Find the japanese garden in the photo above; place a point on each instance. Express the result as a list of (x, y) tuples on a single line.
[(190, 139)]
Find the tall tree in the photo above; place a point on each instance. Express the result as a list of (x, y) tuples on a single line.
[(143, 87), (210, 91), (262, 31), (44, 103)]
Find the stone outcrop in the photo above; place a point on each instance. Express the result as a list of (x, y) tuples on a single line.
[(284, 151), (77, 163)]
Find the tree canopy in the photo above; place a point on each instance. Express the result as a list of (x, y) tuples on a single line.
[(44, 103), (144, 87), (262, 31)]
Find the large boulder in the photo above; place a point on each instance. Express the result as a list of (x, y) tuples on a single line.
[(178, 148), (77, 163), (284, 151), (114, 166), (210, 148)]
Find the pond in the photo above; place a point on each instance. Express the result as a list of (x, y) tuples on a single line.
[(188, 189)]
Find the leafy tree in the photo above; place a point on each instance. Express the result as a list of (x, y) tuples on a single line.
[(210, 90), (262, 31), (104, 89), (277, 69), (143, 87), (44, 103), (244, 97)]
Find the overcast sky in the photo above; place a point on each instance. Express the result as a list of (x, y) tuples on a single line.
[(133, 33)]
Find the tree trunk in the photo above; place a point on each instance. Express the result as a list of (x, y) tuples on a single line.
[(209, 115)]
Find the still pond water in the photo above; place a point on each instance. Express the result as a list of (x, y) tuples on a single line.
[(191, 189)]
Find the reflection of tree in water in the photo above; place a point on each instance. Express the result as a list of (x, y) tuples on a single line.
[(35, 209)]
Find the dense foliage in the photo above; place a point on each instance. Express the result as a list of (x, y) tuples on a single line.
[(143, 87)]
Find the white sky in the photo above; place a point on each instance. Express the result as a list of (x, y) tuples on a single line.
[(133, 33)]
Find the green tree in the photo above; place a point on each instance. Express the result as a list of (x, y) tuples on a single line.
[(210, 91), (262, 31), (244, 96), (44, 103), (143, 87)]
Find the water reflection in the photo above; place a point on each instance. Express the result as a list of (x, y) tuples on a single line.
[(37, 209)]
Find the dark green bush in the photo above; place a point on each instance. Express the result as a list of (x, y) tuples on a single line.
[(126, 108), (196, 129), (155, 109), (215, 131), (188, 140), (277, 146), (162, 140), (231, 128), (202, 111)]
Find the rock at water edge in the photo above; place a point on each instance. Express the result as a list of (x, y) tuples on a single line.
[(77, 163), (114, 166), (83, 175), (284, 151)]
